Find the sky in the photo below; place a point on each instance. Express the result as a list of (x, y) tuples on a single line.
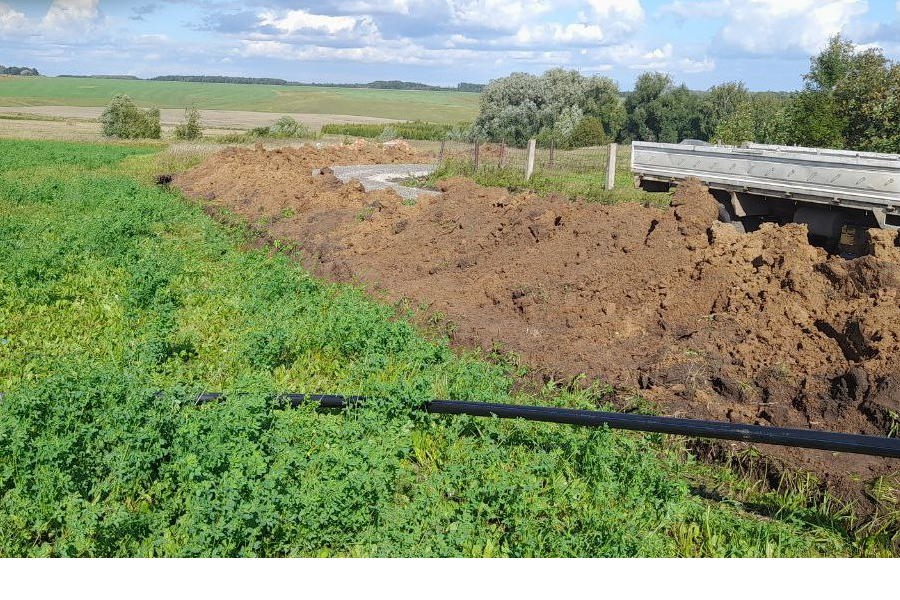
[(765, 43)]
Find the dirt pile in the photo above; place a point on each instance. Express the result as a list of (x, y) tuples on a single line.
[(757, 328)]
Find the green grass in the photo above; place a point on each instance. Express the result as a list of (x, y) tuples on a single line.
[(112, 290), (571, 184), (412, 130), (438, 107)]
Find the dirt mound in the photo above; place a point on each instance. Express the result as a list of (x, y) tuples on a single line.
[(757, 328)]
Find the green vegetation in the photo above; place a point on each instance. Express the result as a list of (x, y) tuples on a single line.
[(190, 129), (411, 130), (851, 100), (438, 107), (21, 71), (548, 107), (285, 127), (122, 119), (569, 183), (112, 291)]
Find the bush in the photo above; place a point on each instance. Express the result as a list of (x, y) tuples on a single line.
[(388, 134), (589, 132), (285, 127), (410, 130), (190, 129), (122, 119), (288, 127)]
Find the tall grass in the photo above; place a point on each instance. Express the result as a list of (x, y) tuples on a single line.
[(413, 130)]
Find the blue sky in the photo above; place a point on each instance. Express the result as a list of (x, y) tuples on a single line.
[(765, 43)]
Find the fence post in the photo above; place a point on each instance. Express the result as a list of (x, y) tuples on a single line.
[(529, 163), (441, 154), (611, 167), (552, 148), (502, 154), (477, 148)]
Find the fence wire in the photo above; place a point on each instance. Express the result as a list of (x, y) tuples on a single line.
[(548, 159)]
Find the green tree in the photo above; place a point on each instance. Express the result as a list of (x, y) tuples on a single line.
[(736, 127), (868, 95), (812, 120), (550, 106), (123, 119), (658, 111), (720, 103), (190, 129), (589, 132), (603, 101), (831, 65)]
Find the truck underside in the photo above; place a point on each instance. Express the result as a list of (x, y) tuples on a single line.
[(838, 195)]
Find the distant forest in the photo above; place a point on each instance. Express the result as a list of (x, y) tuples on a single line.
[(26, 71), (377, 85)]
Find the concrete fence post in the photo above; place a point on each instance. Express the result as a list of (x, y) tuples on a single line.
[(441, 154), (611, 167), (529, 163), (477, 153)]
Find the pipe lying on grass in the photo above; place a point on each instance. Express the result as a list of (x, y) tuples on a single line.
[(780, 436)]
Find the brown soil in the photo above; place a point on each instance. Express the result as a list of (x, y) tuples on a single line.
[(708, 323)]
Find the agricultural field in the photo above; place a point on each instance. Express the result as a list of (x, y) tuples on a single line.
[(121, 300), (437, 107)]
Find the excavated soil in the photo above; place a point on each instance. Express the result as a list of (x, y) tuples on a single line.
[(706, 322)]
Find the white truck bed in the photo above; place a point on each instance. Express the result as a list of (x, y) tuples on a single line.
[(860, 180)]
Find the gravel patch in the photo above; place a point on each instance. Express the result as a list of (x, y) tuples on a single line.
[(380, 177)]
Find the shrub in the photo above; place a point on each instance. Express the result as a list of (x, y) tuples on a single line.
[(288, 127), (388, 134), (123, 119), (285, 127), (589, 132), (190, 129)]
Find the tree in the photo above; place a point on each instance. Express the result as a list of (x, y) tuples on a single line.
[(813, 121), (519, 107), (190, 129), (589, 132), (721, 102), (831, 65), (737, 127), (122, 119), (868, 95), (658, 111), (603, 101)]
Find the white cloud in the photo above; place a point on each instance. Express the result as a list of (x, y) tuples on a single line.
[(696, 9), (766, 27), (505, 15), (573, 33), (64, 14), (628, 10), (10, 19), (301, 21)]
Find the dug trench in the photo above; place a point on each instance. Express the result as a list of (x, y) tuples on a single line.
[(670, 304)]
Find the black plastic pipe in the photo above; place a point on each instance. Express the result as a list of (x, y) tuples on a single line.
[(780, 436)]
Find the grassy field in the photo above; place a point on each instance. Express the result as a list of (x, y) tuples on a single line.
[(438, 107), (120, 301)]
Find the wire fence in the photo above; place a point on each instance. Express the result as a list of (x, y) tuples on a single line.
[(548, 159)]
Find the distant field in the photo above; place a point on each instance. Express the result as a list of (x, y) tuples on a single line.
[(439, 107)]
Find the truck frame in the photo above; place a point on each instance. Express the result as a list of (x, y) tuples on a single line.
[(836, 193)]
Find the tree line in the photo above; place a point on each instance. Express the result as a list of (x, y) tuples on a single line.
[(850, 99), (378, 85), (24, 71)]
